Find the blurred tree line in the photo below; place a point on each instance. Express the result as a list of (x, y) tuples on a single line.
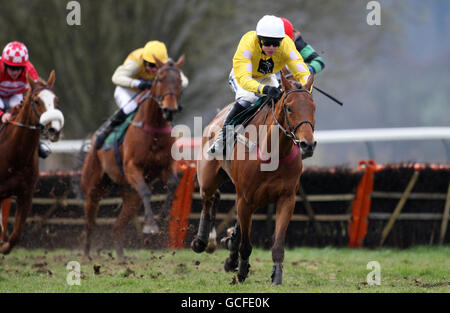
[(207, 32)]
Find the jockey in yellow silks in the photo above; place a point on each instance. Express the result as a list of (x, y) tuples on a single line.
[(135, 75), (259, 56)]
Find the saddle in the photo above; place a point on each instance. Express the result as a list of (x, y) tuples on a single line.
[(118, 134), (240, 121)]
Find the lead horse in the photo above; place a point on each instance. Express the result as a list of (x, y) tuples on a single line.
[(145, 154), (19, 138), (293, 114)]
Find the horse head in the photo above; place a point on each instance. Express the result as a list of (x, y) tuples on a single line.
[(166, 88), (297, 107), (44, 104)]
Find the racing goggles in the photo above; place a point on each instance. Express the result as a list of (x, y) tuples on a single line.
[(268, 41)]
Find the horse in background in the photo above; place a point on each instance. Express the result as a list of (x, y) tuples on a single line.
[(145, 154), (19, 168), (293, 114)]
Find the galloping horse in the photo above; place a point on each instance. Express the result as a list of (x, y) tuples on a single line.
[(145, 154), (19, 138), (294, 115)]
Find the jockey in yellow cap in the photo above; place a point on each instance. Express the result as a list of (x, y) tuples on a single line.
[(259, 56), (133, 76)]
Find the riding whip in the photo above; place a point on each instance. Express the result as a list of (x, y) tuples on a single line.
[(329, 96)]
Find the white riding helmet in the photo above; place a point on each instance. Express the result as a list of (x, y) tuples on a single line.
[(270, 26)]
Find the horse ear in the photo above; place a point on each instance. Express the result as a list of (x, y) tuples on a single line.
[(158, 62), (309, 83), (285, 83), (180, 61), (30, 81), (51, 79)]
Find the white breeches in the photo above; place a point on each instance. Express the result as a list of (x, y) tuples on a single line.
[(126, 99), (252, 97), (6, 103)]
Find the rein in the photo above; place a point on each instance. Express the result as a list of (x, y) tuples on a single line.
[(146, 127), (290, 133), (160, 98), (33, 102)]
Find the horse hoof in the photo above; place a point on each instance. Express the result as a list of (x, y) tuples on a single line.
[(244, 268), (5, 248), (277, 274), (212, 245), (231, 265), (198, 246), (150, 229)]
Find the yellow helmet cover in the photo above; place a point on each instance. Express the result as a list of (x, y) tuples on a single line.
[(156, 49)]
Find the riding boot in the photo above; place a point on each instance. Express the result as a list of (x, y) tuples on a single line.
[(221, 139), (116, 119), (43, 150)]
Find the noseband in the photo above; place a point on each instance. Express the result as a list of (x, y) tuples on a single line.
[(158, 80), (33, 103), (290, 132)]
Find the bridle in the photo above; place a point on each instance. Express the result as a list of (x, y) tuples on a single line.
[(157, 80), (290, 132), (33, 103)]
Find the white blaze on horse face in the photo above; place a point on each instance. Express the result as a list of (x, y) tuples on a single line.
[(51, 115)]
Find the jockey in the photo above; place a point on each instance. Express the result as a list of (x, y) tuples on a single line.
[(260, 55), (14, 66), (133, 76), (315, 63)]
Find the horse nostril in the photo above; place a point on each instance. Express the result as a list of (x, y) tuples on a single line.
[(306, 146)]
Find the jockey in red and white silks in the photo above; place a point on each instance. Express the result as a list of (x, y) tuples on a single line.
[(14, 66)]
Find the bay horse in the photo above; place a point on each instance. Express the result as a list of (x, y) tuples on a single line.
[(19, 138), (145, 154), (293, 114)]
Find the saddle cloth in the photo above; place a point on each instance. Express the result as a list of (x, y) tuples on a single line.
[(118, 133)]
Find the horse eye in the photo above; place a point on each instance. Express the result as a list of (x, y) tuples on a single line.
[(289, 109)]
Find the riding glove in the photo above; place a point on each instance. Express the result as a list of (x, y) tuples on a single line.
[(272, 92), (144, 84)]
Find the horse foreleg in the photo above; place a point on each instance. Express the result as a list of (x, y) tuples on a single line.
[(150, 226), (23, 203), (285, 209), (245, 248), (212, 240), (136, 179), (172, 184), (201, 239), (232, 244), (131, 205)]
